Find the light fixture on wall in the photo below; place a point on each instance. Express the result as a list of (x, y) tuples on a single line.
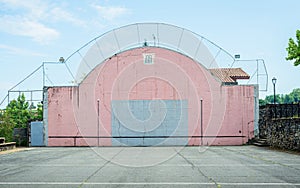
[(237, 56), (61, 60)]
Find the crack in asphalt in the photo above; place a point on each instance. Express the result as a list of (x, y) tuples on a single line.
[(198, 169), (101, 167)]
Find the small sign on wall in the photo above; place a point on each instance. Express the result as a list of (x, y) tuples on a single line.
[(149, 59)]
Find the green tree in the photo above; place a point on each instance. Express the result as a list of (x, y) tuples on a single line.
[(262, 102), (270, 99), (37, 113), (294, 49), (31, 107), (293, 97), (6, 127), (295, 94), (288, 99), (17, 114)]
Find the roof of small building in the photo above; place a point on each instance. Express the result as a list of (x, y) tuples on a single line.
[(229, 75)]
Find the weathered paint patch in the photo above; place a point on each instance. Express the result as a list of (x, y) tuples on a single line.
[(149, 122)]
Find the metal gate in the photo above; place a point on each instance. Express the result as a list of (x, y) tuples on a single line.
[(36, 133)]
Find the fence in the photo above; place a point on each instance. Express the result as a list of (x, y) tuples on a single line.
[(281, 110)]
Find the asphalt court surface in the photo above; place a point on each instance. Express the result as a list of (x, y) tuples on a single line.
[(228, 166)]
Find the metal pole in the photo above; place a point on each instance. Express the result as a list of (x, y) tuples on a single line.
[(98, 120), (274, 94), (257, 72), (274, 100), (201, 120), (43, 75), (31, 96)]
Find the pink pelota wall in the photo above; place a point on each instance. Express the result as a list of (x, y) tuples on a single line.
[(227, 110)]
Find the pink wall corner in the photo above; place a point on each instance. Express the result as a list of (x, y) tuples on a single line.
[(239, 113), (61, 121)]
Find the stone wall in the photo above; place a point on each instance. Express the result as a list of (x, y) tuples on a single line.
[(262, 125), (284, 133), (280, 125)]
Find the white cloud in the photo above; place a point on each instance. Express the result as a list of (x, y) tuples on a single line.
[(34, 9), (42, 11), (41, 20), (20, 51), (110, 12), (58, 14), (31, 18), (29, 28)]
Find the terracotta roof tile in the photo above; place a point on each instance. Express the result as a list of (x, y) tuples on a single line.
[(229, 75)]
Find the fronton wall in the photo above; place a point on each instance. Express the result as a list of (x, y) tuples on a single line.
[(150, 96)]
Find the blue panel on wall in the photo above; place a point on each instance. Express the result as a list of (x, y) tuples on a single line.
[(36, 132), (149, 122)]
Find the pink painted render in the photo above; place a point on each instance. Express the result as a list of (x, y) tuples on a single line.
[(227, 110)]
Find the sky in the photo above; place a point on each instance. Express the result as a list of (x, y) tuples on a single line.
[(37, 31)]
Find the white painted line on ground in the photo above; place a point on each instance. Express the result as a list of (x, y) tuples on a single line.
[(148, 183), (262, 184), (163, 165)]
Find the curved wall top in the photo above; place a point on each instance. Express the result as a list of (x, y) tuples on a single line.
[(138, 35)]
